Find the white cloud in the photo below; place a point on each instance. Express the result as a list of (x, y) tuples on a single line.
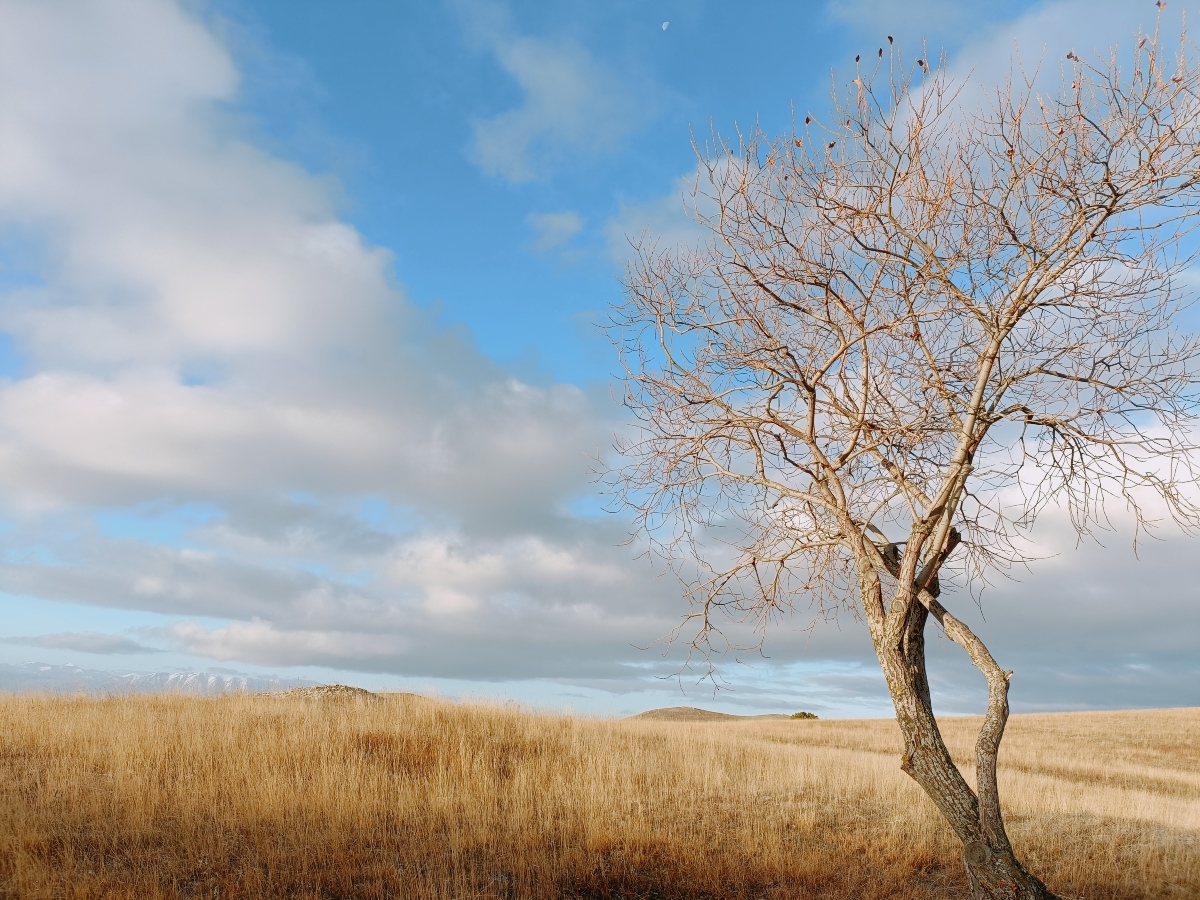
[(667, 220), (1077, 626), (457, 579), (565, 603), (260, 641), (1036, 43), (572, 105), (672, 219), (911, 21), (84, 642), (174, 245), (553, 230)]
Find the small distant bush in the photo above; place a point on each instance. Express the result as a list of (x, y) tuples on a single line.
[(804, 715)]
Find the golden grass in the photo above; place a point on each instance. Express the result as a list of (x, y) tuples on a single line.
[(405, 797)]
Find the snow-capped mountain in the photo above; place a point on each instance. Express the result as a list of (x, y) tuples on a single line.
[(35, 676)]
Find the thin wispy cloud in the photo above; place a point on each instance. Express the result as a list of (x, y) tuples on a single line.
[(84, 642), (911, 21), (571, 103), (552, 231)]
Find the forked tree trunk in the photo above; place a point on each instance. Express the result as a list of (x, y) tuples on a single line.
[(992, 870)]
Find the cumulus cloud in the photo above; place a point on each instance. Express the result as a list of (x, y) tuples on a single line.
[(205, 329), (175, 246), (571, 103), (418, 604)]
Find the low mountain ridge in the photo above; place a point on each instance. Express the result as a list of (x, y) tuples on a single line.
[(48, 678)]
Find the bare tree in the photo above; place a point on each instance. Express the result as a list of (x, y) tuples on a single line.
[(912, 328)]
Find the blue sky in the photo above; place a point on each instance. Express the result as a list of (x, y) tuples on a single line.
[(374, 93), (302, 374)]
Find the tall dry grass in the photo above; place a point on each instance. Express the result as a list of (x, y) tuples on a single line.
[(412, 798)]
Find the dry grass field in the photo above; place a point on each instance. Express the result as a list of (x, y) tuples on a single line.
[(405, 797)]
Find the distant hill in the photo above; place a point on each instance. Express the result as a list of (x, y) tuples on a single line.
[(34, 676), (692, 714)]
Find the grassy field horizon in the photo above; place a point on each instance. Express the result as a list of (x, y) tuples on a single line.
[(373, 796)]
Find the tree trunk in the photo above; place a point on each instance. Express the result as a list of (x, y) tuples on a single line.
[(992, 870)]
